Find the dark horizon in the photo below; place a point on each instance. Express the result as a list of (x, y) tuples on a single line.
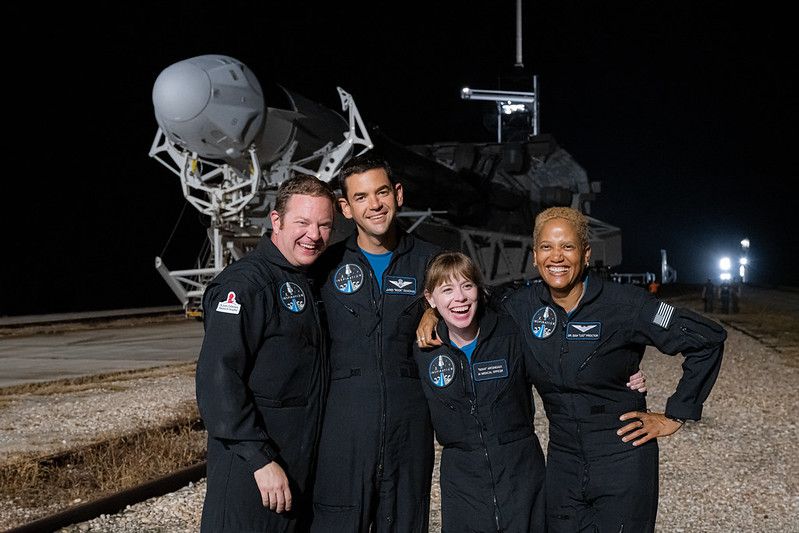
[(685, 113)]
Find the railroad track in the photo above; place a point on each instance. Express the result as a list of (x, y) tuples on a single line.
[(116, 502)]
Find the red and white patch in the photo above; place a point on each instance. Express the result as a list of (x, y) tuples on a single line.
[(230, 305)]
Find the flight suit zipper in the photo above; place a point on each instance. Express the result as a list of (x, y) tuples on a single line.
[(473, 410), (383, 397), (321, 349), (378, 306), (594, 352), (694, 334)]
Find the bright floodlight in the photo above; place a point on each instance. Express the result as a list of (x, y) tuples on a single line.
[(509, 108), (725, 276), (725, 264), (742, 271), (745, 244), (743, 261)]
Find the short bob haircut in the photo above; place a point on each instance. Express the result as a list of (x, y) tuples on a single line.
[(447, 265), (574, 217)]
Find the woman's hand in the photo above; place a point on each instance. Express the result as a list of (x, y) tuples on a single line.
[(425, 331), (637, 381), (646, 426)]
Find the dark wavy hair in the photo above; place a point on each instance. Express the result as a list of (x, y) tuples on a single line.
[(360, 164)]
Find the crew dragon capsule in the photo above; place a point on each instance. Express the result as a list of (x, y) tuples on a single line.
[(232, 140), (214, 106)]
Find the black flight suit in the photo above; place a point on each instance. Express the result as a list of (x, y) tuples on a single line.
[(492, 465), (596, 482), (261, 380), (376, 450)]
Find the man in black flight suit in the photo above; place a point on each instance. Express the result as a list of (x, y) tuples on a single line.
[(376, 450), (261, 373)]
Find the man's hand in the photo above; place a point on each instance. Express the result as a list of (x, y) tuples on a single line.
[(646, 426), (426, 329), (637, 381), (274, 487)]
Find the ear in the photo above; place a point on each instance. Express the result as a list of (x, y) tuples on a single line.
[(344, 205), (429, 298), (274, 216), (399, 193), (535, 259), (587, 255)]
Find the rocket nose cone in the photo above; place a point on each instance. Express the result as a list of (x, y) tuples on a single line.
[(181, 92)]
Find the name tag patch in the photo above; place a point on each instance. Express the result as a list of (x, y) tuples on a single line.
[(230, 305), (292, 297), (400, 285), (583, 331), (486, 370)]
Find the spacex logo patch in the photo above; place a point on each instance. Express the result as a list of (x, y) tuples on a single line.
[(441, 371), (292, 297), (544, 322), (400, 285), (348, 279), (583, 331)]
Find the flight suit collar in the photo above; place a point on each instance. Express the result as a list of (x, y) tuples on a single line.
[(404, 242), (267, 249), (487, 320), (593, 288)]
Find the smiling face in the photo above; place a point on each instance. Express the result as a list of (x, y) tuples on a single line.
[(372, 203), (456, 300), (560, 257), (303, 232)]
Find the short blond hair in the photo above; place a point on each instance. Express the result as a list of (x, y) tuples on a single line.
[(574, 217)]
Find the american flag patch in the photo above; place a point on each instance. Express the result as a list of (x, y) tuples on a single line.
[(663, 315)]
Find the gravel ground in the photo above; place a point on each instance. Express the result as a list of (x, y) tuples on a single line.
[(735, 470)]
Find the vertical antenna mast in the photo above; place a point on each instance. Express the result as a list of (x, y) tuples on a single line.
[(519, 34)]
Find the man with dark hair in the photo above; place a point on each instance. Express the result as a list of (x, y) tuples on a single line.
[(261, 373), (376, 449)]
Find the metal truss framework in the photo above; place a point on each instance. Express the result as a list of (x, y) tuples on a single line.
[(228, 195)]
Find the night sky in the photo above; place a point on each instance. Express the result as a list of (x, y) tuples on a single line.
[(686, 113)]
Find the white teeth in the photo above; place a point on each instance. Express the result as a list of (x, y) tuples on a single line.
[(462, 309), (308, 246), (557, 270)]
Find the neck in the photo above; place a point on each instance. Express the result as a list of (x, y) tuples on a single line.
[(379, 244), (463, 336), (568, 299)]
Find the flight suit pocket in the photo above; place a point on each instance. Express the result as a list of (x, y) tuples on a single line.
[(408, 320), (447, 421), (511, 412)]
